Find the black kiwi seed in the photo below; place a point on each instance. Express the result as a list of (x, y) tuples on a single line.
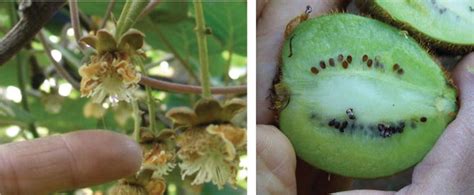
[(400, 71), (369, 63), (314, 70), (349, 59), (337, 124), (350, 113), (423, 119), (401, 124), (396, 67), (322, 64), (344, 125), (365, 58), (345, 64), (340, 57), (332, 122), (381, 127), (331, 62)]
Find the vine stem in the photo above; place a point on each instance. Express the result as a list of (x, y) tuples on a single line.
[(59, 68), (129, 15), (183, 88), (149, 8), (202, 45), (21, 60), (136, 120), (110, 7), (74, 14), (150, 99)]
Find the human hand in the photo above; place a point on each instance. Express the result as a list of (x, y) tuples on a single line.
[(447, 169), (66, 161)]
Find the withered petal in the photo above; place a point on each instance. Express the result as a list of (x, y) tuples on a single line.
[(208, 111), (165, 134), (232, 107), (90, 40), (156, 186), (106, 42), (182, 115), (132, 39)]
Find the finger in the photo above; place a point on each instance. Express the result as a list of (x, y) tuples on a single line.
[(464, 80), (260, 6), (270, 36), (316, 181), (450, 161), (364, 192), (67, 161), (276, 162)]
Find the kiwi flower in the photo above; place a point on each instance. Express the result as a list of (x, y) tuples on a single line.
[(209, 144), (110, 72), (159, 159)]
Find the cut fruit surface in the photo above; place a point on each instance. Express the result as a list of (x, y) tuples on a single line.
[(442, 23), (361, 98)]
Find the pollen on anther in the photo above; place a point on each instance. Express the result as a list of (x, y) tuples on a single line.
[(322, 64), (365, 58), (314, 70)]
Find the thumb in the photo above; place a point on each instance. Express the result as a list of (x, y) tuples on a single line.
[(276, 162)]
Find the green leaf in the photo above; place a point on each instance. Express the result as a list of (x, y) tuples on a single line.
[(209, 188), (11, 113), (98, 8), (8, 73), (228, 22), (180, 38), (70, 118), (170, 11)]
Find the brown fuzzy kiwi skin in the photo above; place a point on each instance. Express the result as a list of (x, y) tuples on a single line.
[(371, 8)]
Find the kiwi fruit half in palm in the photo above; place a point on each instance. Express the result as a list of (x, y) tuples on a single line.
[(358, 98), (443, 24)]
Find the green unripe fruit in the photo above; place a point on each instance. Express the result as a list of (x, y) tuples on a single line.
[(359, 98), (443, 24)]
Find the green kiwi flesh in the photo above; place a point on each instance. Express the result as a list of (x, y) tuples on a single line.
[(360, 98), (442, 24)]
